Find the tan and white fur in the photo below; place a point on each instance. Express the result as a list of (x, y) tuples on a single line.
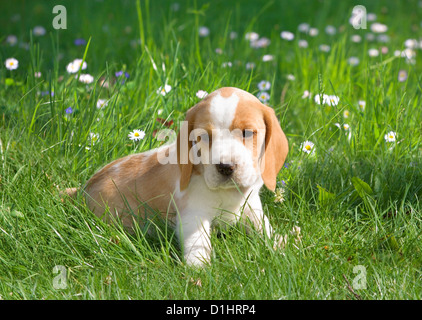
[(242, 147)]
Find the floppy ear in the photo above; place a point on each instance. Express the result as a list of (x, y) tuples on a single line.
[(184, 145), (276, 149)]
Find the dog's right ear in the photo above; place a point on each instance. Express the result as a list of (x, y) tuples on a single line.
[(184, 145)]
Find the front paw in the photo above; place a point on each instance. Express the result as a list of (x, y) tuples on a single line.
[(198, 258)]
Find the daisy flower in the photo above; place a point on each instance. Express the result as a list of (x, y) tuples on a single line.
[(390, 136), (409, 43), (373, 52), (38, 31), (378, 27), (203, 31), (353, 61), (75, 65), (267, 57), (11, 40), (362, 104), (201, 94), (324, 48), (233, 35), (86, 78), (313, 32), (136, 135), (260, 43), (93, 137), (250, 65), (164, 90), (291, 77), (11, 64), (332, 100), (402, 75), (101, 103), (263, 96), (264, 85), (287, 35), (303, 27), (356, 38), (307, 147), (306, 94), (331, 30), (251, 36), (346, 113), (302, 43)]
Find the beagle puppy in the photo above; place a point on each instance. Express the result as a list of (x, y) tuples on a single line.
[(229, 146)]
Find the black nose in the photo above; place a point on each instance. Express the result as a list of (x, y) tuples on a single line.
[(226, 169)]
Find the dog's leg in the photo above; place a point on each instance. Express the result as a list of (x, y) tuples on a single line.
[(194, 234), (254, 214)]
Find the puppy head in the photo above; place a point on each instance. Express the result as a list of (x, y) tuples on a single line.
[(233, 140)]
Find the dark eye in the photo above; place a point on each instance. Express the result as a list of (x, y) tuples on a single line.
[(248, 133)]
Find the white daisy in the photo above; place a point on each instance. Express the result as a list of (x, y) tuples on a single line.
[(233, 35), (313, 32), (373, 52), (346, 113), (356, 38), (291, 77), (331, 30), (203, 31), (251, 36), (287, 35), (250, 65), (390, 136), (302, 43), (164, 90), (11, 64), (411, 43), (332, 100), (303, 27), (86, 78), (38, 31), (136, 135), (378, 27), (324, 47), (402, 75), (362, 104), (94, 137), (267, 57), (75, 65), (264, 85), (263, 96), (306, 94), (102, 103), (11, 40), (201, 94), (353, 61), (307, 147)]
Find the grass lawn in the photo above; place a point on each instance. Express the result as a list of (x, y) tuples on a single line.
[(349, 100)]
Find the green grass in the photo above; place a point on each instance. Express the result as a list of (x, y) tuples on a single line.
[(357, 201)]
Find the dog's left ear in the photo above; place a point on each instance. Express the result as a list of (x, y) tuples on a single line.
[(276, 149), (184, 145)]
